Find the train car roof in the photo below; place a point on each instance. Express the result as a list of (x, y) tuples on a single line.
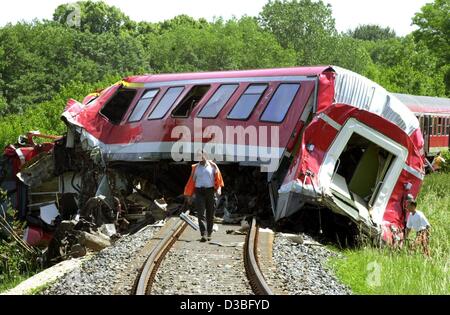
[(425, 104), (294, 71)]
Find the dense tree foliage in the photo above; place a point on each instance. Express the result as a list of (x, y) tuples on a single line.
[(39, 58), (434, 31), (95, 17), (404, 66), (88, 41), (372, 32), (305, 25)]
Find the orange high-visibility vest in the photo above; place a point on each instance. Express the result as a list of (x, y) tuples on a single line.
[(190, 186)]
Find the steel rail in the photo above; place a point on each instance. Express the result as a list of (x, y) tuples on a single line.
[(255, 276), (147, 276)]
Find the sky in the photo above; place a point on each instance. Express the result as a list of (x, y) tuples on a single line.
[(348, 14)]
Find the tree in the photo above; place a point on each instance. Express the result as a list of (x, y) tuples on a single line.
[(304, 25), (349, 53), (39, 58), (404, 66), (183, 20), (434, 31), (235, 44), (95, 17), (3, 105), (372, 32)]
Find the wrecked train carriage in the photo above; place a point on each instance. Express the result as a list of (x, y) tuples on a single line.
[(341, 141), (29, 201)]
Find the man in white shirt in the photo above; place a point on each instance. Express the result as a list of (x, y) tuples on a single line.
[(205, 181), (419, 223)]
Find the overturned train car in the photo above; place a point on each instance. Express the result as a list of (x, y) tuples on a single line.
[(325, 136)]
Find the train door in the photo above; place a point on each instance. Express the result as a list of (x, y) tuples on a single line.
[(360, 171)]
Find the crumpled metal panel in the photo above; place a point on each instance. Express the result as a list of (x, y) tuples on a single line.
[(425, 104), (358, 91)]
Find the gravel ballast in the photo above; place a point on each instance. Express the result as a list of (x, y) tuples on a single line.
[(299, 269), (111, 271), (302, 270)]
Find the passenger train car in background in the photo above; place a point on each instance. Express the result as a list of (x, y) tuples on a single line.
[(341, 141), (434, 117)]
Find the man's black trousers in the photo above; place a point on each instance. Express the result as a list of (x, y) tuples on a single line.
[(204, 202)]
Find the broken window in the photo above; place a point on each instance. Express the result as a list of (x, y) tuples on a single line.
[(248, 101), (166, 102), (280, 103), (118, 105), (142, 106), (218, 101), (190, 101)]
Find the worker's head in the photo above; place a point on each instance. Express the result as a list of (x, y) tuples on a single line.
[(412, 205), (202, 156)]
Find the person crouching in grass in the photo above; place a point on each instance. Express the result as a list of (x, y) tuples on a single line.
[(419, 223)]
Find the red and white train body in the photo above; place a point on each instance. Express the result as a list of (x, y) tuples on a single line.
[(343, 141)]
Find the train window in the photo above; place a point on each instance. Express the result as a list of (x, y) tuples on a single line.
[(247, 103), (448, 127), (218, 101), (190, 101), (280, 103), (166, 102), (142, 106), (118, 105), (439, 126)]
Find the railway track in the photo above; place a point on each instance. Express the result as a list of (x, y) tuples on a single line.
[(255, 277), (254, 273)]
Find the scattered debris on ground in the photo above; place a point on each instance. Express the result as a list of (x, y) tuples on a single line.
[(73, 202)]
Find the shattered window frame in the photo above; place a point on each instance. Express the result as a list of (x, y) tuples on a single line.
[(125, 110), (185, 100), (244, 98), (147, 101), (269, 110), (168, 105), (220, 98)]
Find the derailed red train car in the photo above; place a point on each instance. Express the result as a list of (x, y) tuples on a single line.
[(324, 136), (341, 141)]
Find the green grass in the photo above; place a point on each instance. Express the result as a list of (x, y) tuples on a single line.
[(12, 282), (404, 272)]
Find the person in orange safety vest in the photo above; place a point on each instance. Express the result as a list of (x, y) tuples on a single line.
[(204, 182)]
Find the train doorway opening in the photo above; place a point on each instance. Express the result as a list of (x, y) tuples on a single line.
[(360, 171), (359, 174)]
